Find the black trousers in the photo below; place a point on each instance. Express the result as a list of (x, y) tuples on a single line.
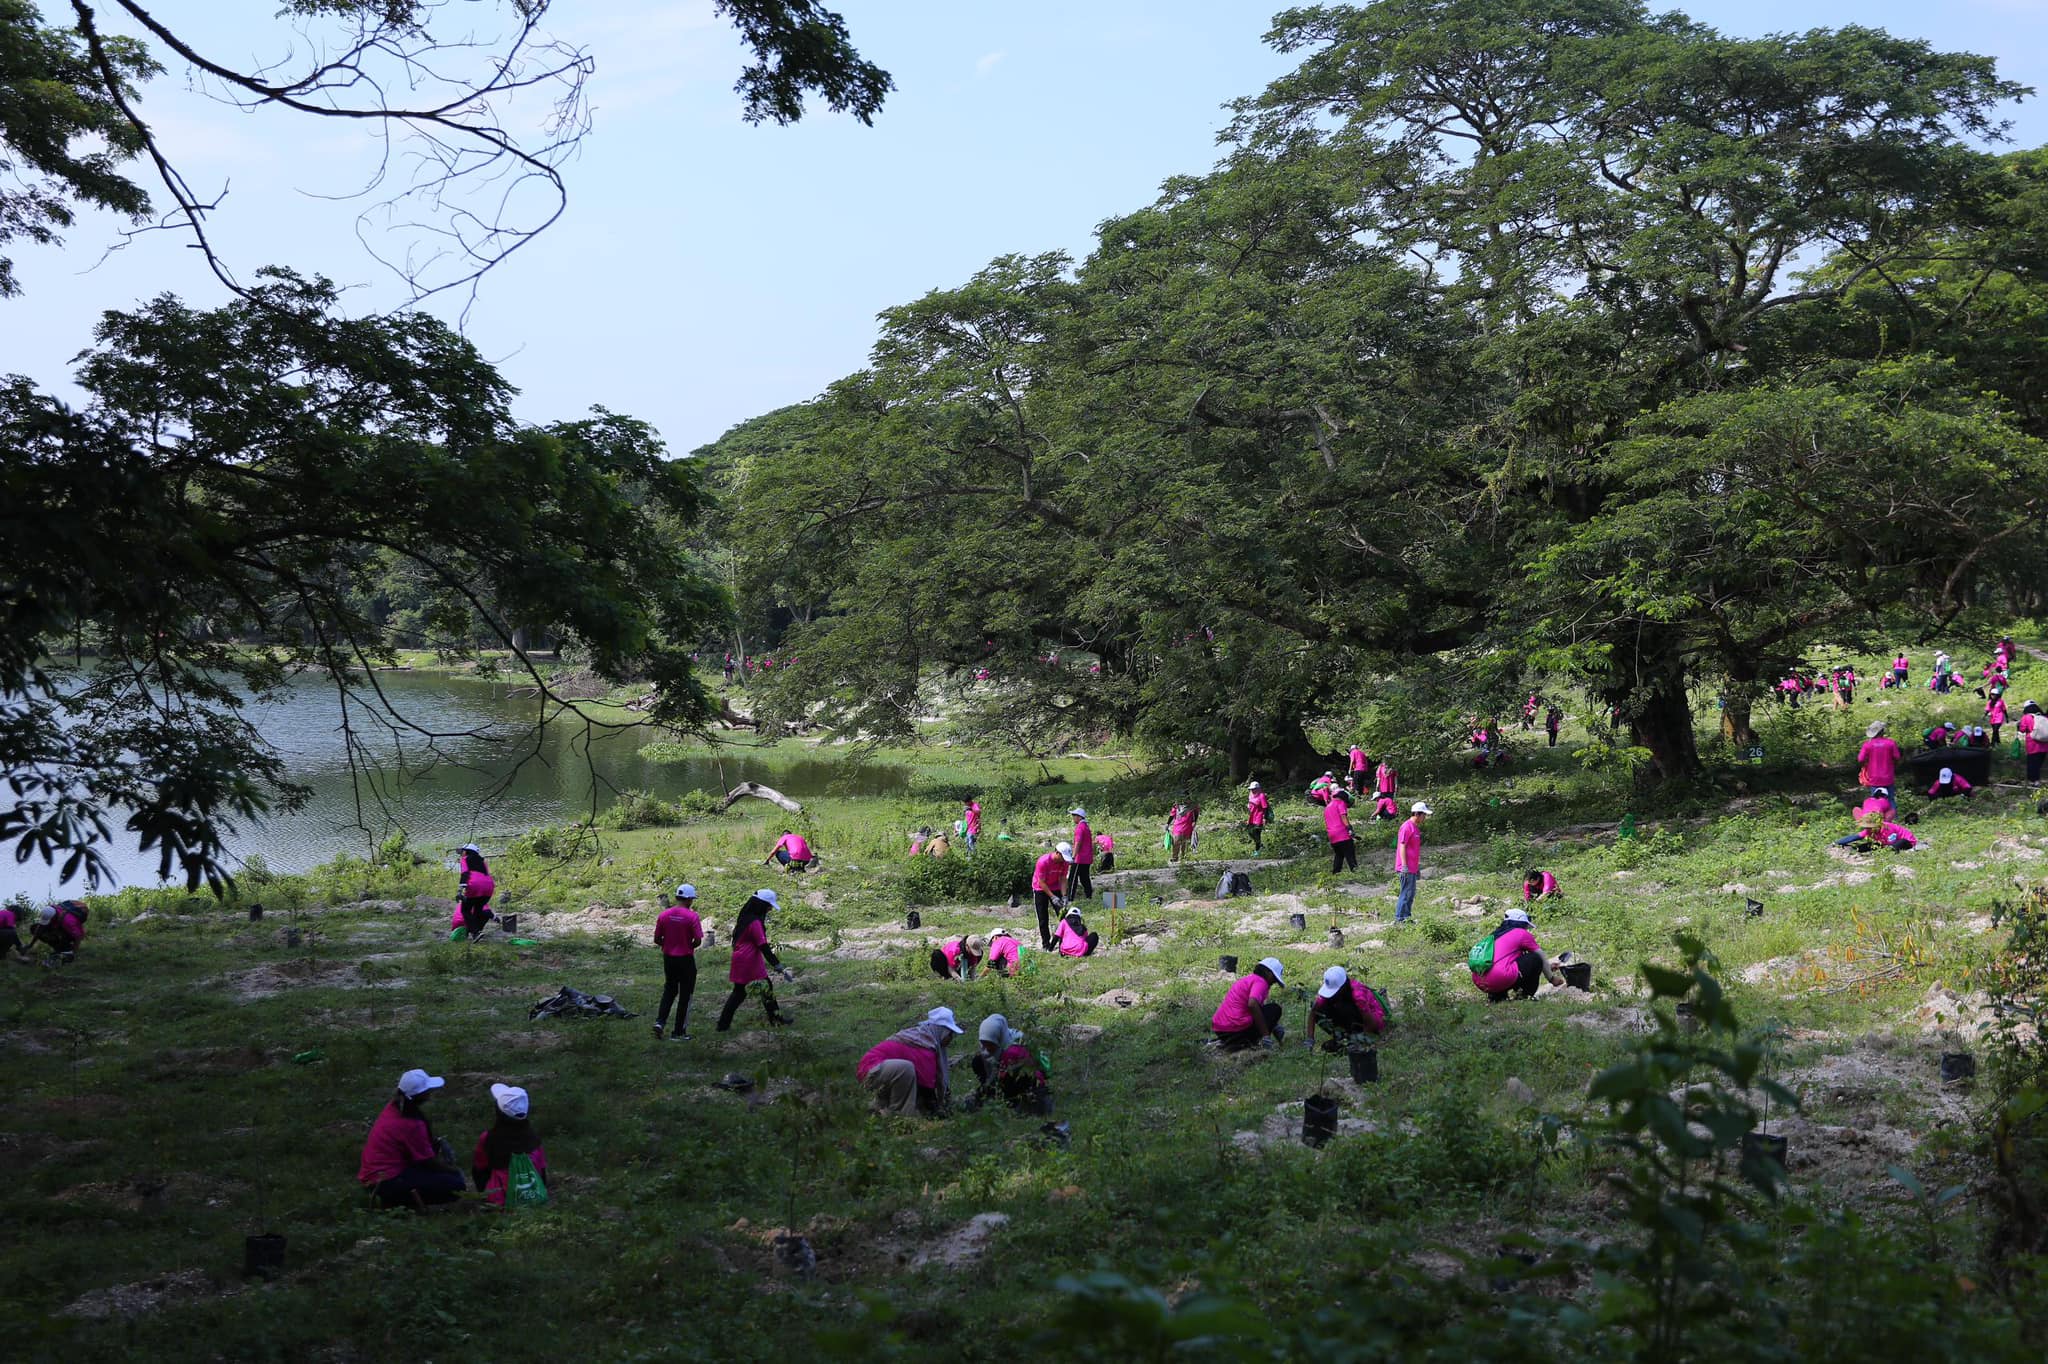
[(10, 941), (1343, 854), (1042, 902), (1258, 833), (475, 914), (1529, 972), (678, 983), (1078, 882), (739, 997), (2034, 766), (1245, 1038), (417, 1185)]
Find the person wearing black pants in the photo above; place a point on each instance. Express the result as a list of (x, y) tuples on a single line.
[(751, 959), (1528, 975), (678, 932), (1344, 854), (1343, 847)]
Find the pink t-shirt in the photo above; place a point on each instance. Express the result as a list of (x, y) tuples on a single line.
[(1879, 759), (1994, 714), (1507, 950), (479, 886), (1959, 785), (1050, 875), (1546, 884), (951, 949), (1408, 847), (1337, 821), (1384, 780), (1258, 808), (794, 845), (923, 1059), (1184, 821), (1368, 1005), (1104, 843), (1245, 994), (395, 1142), (748, 963), (1070, 943), (974, 818), (8, 923), (678, 931), (1084, 844), (1005, 952), (1357, 758)]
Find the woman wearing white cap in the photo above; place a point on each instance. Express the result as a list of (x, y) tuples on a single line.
[(402, 1162), (1246, 1017), (1082, 857), (751, 958), (508, 1153), (1510, 962), (908, 1071), (1347, 1006), (1950, 783), (474, 890), (1049, 887), (1073, 937), (1257, 810), (2033, 730), (678, 932), (1003, 1065), (1408, 859)]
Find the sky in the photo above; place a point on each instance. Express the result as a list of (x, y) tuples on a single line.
[(707, 271)]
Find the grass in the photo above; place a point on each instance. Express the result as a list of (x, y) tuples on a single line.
[(155, 1113)]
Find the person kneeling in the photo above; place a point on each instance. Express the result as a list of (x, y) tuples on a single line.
[(404, 1164), (1539, 885), (908, 1072), (1949, 783), (1246, 1018), (959, 958), (1005, 953), (1511, 962), (1004, 1066), (1072, 938), (1351, 1010), (61, 928), (509, 1159)]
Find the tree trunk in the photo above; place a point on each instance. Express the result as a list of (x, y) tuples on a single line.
[(759, 792), (1735, 721), (1663, 724), (1290, 754)]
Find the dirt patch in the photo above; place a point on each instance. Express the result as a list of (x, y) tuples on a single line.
[(963, 1246), (1850, 1160), (1081, 1034), (2009, 849), (1283, 1128), (1945, 1011), (1621, 1022), (1782, 970), (130, 1300), (154, 1193), (874, 949), (276, 978), (1118, 999), (174, 1063)]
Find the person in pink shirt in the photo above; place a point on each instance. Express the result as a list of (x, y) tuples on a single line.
[(1949, 783), (1319, 790), (908, 1072), (1539, 885), (61, 928), (1337, 824), (1408, 859), (510, 1134), (2034, 735), (1877, 762), (793, 852), (10, 934), (1385, 781), (1994, 715), (475, 888), (1181, 825), (1359, 763), (972, 816), (678, 932), (403, 1163), (1048, 888), (1082, 888), (1518, 962), (1900, 666), (1004, 1067), (1351, 1010), (751, 958), (960, 958), (1073, 938), (1005, 953), (1258, 810), (1105, 852), (1384, 807), (1247, 1018)]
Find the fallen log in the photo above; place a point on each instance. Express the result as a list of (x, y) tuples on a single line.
[(759, 792)]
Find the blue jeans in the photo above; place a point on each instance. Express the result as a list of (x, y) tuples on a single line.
[(1406, 904)]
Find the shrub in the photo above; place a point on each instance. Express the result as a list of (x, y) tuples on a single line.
[(994, 872), (556, 841)]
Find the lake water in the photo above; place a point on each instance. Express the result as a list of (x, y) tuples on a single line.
[(493, 778)]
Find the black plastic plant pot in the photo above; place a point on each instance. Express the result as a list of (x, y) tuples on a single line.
[(1752, 909), (913, 920), (1957, 1065), (1318, 1120), (255, 913), (1297, 921), (1764, 1146), (291, 937), (1578, 975), (1336, 937), (1365, 1064), (263, 1256), (1227, 964), (509, 922)]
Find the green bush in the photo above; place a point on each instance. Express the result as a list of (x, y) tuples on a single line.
[(994, 872), (555, 841)]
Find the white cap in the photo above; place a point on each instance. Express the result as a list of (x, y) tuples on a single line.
[(1334, 980), (1078, 811), (1873, 729), (414, 1083), (1254, 786), (470, 847), (1073, 911), (1064, 849), (1273, 964), (1948, 774), (510, 1099), (769, 897), (46, 913), (1517, 915), (1420, 807), (686, 891), (943, 1016)]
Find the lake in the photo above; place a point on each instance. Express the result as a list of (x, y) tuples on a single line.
[(493, 778)]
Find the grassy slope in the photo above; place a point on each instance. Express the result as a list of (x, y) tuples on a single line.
[(154, 1115)]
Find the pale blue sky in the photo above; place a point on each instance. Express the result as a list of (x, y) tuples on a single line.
[(708, 271)]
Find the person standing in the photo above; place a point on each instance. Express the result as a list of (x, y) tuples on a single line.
[(1181, 825), (1553, 720), (971, 819), (1337, 823), (1900, 667), (1359, 764), (1994, 715), (1258, 810), (1878, 760), (1084, 856), (751, 958), (1048, 885), (475, 886), (2033, 728), (1385, 781), (678, 932), (1408, 859)]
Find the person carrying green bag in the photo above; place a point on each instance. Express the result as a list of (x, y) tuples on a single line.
[(509, 1165)]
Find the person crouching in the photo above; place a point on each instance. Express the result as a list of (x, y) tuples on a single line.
[(1349, 1008), (908, 1071), (1004, 1066), (1518, 962), (1073, 937), (1247, 1018), (960, 958), (403, 1163)]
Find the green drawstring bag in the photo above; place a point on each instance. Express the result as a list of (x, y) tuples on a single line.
[(2017, 751), (524, 1188), (457, 934), (1166, 841)]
